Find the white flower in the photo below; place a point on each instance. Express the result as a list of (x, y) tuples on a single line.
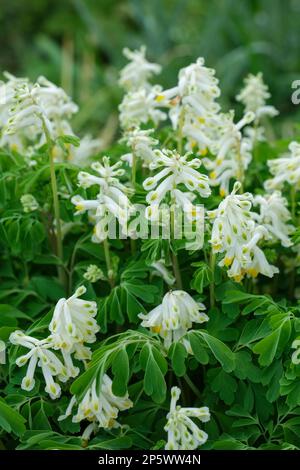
[(254, 96), (39, 355), (138, 71), (232, 151), (274, 216), (177, 170), (235, 234), (296, 354), (93, 273), (100, 406), (73, 321), (183, 433), (111, 202), (29, 203), (285, 169), (174, 316), (141, 144), (140, 107)]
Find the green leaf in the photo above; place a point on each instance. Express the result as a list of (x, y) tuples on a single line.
[(154, 382), (221, 352), (120, 369), (11, 420), (178, 353), (273, 344)]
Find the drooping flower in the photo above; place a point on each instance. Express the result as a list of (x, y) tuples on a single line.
[(274, 216), (235, 234), (99, 405), (174, 316), (73, 321), (183, 433), (39, 355), (285, 169), (161, 270), (29, 203), (138, 71)]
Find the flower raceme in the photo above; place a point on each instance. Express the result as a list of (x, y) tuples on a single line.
[(111, 202), (174, 316), (254, 96), (72, 325), (183, 433), (73, 321), (137, 72), (285, 169), (177, 170), (99, 405), (141, 144), (235, 234), (274, 216)]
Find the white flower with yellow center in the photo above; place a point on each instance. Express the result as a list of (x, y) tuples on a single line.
[(141, 144), (73, 321), (183, 433), (174, 316), (99, 405), (39, 355), (177, 170), (285, 169), (138, 71), (274, 216)]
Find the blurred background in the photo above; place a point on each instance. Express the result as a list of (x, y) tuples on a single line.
[(78, 45)]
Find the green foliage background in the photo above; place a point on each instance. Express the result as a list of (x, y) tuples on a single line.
[(78, 43)]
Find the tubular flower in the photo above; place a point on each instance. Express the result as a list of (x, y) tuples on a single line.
[(137, 72), (192, 104), (232, 152), (111, 202), (274, 216), (99, 405), (183, 433), (235, 234), (174, 316), (141, 144), (177, 170), (285, 169), (139, 107), (73, 321), (39, 355)]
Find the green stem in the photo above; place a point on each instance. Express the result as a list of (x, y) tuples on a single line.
[(212, 282), (108, 263), (241, 175), (59, 245), (180, 135), (133, 169), (192, 386), (175, 264)]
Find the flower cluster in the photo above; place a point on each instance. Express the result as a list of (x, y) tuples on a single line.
[(72, 325), (174, 317), (111, 202), (285, 169), (183, 433), (235, 234), (32, 111)]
